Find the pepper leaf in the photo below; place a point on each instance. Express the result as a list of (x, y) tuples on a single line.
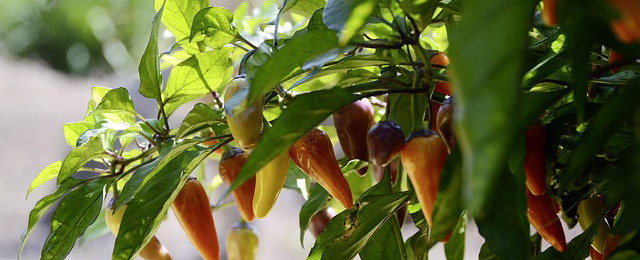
[(178, 14), (317, 200), (48, 173), (149, 69), (79, 156), (216, 24), (76, 211)]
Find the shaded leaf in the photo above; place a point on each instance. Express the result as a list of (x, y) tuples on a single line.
[(317, 200), (386, 243), (454, 249), (42, 206), (76, 211), (487, 68), (448, 206), (199, 117), (415, 245), (284, 60), (361, 10), (296, 180)]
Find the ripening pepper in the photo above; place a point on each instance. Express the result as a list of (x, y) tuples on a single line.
[(313, 153), (242, 242), (543, 218), (588, 211), (535, 166), (212, 143), (246, 125), (444, 120), (594, 254), (269, 181), (613, 58), (319, 221), (193, 210), (352, 123), (442, 59), (229, 167), (549, 12), (384, 141), (423, 156), (153, 250)]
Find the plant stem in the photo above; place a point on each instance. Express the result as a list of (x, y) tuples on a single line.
[(242, 39)]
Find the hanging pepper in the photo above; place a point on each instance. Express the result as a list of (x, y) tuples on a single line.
[(153, 250), (313, 153), (444, 88), (549, 12), (423, 156), (269, 181), (535, 166), (229, 166), (543, 218), (352, 124), (384, 141), (588, 211), (246, 125), (242, 242), (319, 221), (193, 211), (443, 123)]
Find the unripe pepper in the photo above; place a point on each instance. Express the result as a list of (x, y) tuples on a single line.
[(543, 218), (153, 250), (313, 153), (423, 156), (319, 221), (193, 211), (443, 123), (245, 126), (352, 124), (269, 181), (384, 141), (535, 166), (242, 242), (588, 211), (229, 167)]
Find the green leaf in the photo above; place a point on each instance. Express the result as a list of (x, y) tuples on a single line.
[(421, 11), (42, 206), (544, 69), (488, 66), (352, 166), (386, 243), (73, 130), (294, 176), (147, 209), (506, 232), (486, 253), (454, 249), (178, 15), (348, 232), (284, 60), (216, 24), (448, 206), (611, 116), (303, 113), (48, 173), (625, 255), (623, 187), (304, 7), (134, 183), (361, 10), (317, 200), (149, 69), (116, 106), (76, 211), (406, 107), (197, 76), (418, 246), (199, 117), (79, 156), (535, 101), (96, 230)]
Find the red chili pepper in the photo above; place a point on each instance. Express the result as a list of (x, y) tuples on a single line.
[(313, 153), (535, 166), (613, 58), (193, 211), (549, 12), (352, 123), (229, 167), (543, 218)]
